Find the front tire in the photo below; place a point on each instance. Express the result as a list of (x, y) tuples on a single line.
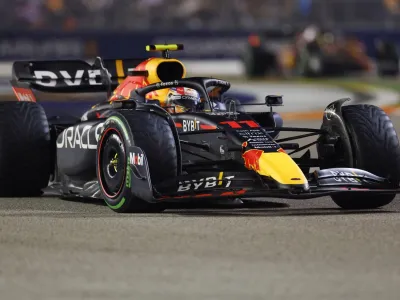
[(148, 131), (376, 149)]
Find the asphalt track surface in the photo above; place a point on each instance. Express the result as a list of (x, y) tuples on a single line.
[(58, 249)]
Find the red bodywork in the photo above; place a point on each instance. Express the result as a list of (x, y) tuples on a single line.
[(131, 83)]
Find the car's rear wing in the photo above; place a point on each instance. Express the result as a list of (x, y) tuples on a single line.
[(72, 76), (77, 76)]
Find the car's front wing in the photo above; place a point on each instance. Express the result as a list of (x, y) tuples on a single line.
[(321, 183)]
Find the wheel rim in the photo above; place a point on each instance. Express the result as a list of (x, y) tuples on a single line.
[(112, 163)]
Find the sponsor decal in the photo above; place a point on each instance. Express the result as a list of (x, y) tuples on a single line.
[(202, 126), (80, 137), (257, 139), (222, 113), (341, 177), (128, 177), (190, 125), (167, 84), (251, 159), (24, 94), (25, 97), (183, 97), (136, 159), (221, 82), (205, 183), (50, 79)]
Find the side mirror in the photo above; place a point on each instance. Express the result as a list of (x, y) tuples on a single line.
[(273, 100)]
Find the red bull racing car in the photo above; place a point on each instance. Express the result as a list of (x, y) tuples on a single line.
[(151, 142)]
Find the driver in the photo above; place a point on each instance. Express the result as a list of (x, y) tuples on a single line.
[(182, 99)]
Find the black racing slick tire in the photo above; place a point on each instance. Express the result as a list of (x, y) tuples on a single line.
[(376, 149), (148, 131), (25, 163)]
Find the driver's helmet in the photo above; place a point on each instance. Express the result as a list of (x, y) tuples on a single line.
[(182, 99)]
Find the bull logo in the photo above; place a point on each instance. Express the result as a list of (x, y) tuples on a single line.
[(251, 159)]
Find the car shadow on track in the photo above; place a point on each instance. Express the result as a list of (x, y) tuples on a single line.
[(278, 213), (193, 205), (248, 209)]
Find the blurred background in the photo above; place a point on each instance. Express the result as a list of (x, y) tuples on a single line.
[(237, 39)]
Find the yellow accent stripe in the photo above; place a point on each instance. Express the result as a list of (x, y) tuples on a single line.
[(221, 174), (120, 70), (169, 47), (356, 175)]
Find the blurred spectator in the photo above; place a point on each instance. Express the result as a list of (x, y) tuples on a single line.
[(99, 5), (29, 13), (118, 15), (57, 14), (393, 6)]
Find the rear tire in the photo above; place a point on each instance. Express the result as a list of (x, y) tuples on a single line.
[(154, 136), (25, 162), (376, 149)]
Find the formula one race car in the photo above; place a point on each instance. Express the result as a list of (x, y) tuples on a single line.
[(138, 156)]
